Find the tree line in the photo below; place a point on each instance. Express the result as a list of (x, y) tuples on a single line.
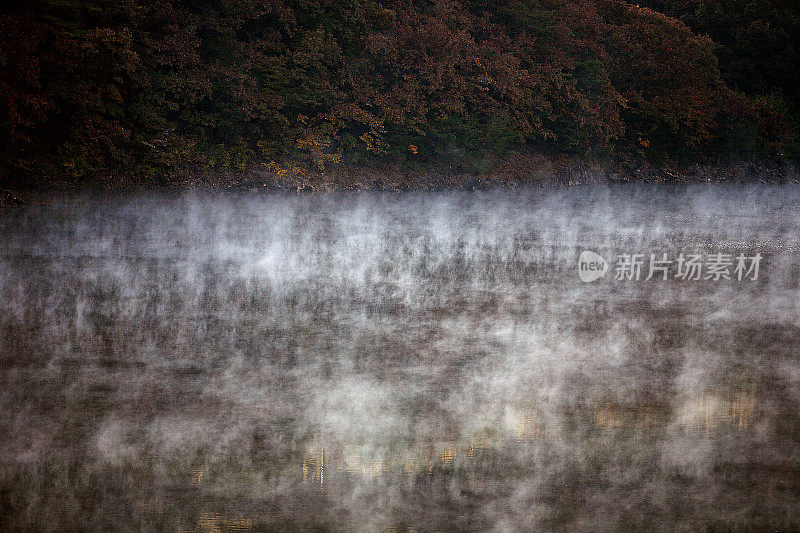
[(153, 87)]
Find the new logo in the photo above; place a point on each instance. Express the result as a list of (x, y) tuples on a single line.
[(591, 266)]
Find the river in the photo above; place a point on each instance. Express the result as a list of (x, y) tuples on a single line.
[(403, 361)]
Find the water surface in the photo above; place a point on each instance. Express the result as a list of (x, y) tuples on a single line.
[(399, 362)]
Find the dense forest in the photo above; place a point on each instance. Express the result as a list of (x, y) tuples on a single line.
[(151, 88)]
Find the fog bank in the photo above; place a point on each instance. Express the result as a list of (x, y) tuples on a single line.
[(399, 361)]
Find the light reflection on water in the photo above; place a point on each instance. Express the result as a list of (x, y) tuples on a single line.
[(398, 363), (704, 414)]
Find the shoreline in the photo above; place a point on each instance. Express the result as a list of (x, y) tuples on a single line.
[(546, 174)]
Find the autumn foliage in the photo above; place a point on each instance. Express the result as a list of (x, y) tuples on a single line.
[(151, 87)]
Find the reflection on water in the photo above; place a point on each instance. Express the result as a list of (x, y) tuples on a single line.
[(398, 363), (214, 523), (706, 413), (710, 412)]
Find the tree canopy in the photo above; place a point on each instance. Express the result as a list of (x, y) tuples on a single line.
[(151, 87)]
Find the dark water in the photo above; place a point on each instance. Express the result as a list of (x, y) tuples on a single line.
[(395, 362)]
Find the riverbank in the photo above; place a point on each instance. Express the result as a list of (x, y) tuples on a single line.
[(545, 172)]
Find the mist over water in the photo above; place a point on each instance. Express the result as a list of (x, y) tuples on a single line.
[(399, 362)]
